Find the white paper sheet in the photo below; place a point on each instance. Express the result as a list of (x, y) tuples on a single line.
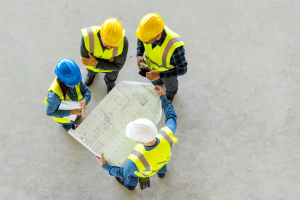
[(69, 105), (71, 117), (103, 131)]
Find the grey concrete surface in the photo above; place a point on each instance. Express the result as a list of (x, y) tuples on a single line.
[(238, 105)]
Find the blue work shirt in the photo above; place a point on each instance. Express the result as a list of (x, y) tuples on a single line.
[(130, 167), (54, 101)]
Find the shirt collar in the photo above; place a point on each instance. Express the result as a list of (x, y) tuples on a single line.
[(150, 148), (162, 39)]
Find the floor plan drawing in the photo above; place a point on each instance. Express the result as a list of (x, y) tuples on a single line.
[(103, 131)]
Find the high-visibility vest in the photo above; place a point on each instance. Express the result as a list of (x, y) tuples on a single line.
[(93, 45), (56, 89), (159, 58), (150, 162)]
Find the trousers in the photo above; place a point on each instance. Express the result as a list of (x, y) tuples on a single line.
[(109, 78), (67, 126), (133, 180)]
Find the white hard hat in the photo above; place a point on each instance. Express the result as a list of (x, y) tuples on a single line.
[(141, 130)]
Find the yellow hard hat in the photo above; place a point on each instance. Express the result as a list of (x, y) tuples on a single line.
[(150, 26), (112, 32)]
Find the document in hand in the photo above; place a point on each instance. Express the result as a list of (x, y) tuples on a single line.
[(69, 105)]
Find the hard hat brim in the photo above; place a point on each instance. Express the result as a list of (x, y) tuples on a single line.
[(138, 34), (127, 131), (111, 43)]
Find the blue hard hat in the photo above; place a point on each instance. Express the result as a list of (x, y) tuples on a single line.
[(68, 72)]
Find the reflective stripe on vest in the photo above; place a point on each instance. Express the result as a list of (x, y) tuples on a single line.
[(56, 89), (93, 45), (142, 159), (165, 135), (159, 58), (157, 157)]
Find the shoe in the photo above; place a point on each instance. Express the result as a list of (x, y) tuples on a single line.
[(122, 181), (89, 80), (170, 98), (75, 126), (109, 89), (161, 175), (78, 117)]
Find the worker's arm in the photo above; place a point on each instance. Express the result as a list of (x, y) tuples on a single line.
[(140, 48), (179, 62), (53, 104), (120, 172), (170, 114), (139, 55), (85, 92), (104, 64)]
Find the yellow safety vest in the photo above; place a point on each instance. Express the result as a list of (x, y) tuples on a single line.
[(56, 89), (93, 45), (159, 58), (150, 162)]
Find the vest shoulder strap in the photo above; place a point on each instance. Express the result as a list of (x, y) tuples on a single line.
[(167, 134), (89, 35), (138, 158), (55, 88)]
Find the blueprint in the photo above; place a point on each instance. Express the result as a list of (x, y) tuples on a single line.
[(103, 131)]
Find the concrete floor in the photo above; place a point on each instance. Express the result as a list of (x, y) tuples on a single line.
[(238, 105)]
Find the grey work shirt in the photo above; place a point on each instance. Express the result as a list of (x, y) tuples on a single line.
[(104, 64)]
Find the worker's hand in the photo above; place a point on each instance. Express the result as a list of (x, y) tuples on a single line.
[(153, 75), (112, 59), (140, 59), (91, 61), (101, 160), (76, 112), (159, 90), (82, 105)]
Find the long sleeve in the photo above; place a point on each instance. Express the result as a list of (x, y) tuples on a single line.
[(179, 62), (53, 104), (85, 92), (140, 48), (104, 64), (121, 172), (170, 114)]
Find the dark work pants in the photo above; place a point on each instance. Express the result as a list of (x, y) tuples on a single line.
[(171, 85), (67, 126), (109, 78), (133, 179)]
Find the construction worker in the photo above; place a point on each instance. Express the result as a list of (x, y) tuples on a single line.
[(67, 85), (164, 53), (104, 49), (153, 152)]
